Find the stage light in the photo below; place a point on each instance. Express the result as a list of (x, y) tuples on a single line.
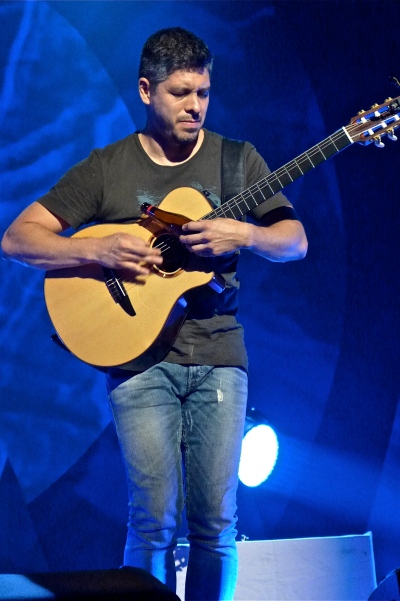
[(259, 450)]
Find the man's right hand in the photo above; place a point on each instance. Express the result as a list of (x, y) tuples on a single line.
[(124, 251)]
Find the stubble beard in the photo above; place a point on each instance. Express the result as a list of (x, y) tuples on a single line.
[(185, 138), (168, 130)]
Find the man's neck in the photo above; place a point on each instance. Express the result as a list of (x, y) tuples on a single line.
[(169, 154)]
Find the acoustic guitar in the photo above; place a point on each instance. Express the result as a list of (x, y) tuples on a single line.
[(109, 318)]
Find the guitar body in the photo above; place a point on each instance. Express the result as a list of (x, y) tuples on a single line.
[(99, 330)]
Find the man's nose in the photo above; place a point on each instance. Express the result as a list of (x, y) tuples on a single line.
[(193, 103)]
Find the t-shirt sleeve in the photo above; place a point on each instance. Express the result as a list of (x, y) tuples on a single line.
[(76, 197), (278, 205)]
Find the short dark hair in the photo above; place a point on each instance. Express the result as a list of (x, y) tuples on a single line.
[(168, 50)]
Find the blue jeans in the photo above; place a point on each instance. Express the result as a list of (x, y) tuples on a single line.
[(162, 415)]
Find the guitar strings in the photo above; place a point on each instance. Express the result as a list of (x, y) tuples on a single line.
[(164, 247), (227, 207)]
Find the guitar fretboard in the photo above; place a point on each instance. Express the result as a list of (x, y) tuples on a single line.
[(250, 198)]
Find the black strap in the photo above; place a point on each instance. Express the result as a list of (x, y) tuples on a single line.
[(232, 168)]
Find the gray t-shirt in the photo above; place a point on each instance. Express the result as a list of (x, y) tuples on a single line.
[(111, 185)]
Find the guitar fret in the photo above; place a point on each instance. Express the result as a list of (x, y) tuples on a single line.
[(239, 209), (337, 149), (319, 156), (269, 186), (257, 197), (295, 167), (331, 149), (244, 199), (261, 192), (283, 177), (280, 183), (230, 209), (308, 158), (274, 183), (320, 149), (288, 173)]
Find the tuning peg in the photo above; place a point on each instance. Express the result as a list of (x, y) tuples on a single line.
[(378, 142), (391, 135), (374, 105)]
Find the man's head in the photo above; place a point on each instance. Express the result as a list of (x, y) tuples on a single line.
[(170, 50), (174, 84)]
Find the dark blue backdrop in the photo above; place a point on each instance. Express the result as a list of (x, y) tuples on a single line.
[(322, 334)]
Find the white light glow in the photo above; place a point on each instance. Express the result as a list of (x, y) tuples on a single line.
[(259, 454)]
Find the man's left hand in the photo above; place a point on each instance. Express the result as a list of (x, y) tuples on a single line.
[(214, 238)]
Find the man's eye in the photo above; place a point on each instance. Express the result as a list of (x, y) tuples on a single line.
[(204, 94)]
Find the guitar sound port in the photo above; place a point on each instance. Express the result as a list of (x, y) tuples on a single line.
[(173, 254)]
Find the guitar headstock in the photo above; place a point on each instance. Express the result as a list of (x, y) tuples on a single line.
[(381, 120)]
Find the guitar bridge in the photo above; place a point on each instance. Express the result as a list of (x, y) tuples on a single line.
[(117, 291)]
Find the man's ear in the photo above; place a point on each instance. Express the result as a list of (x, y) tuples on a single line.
[(144, 90)]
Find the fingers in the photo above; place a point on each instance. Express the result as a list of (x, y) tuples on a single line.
[(194, 233), (200, 237), (124, 251), (211, 238)]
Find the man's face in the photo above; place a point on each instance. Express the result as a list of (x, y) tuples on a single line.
[(178, 106)]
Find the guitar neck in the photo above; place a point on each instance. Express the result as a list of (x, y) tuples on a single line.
[(250, 198)]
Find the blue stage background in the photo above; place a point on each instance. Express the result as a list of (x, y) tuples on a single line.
[(322, 334)]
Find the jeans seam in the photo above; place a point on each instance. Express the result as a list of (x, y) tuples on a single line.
[(186, 462)]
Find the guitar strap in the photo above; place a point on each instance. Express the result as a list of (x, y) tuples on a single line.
[(232, 168)]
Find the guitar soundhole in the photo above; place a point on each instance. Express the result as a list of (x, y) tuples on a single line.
[(173, 253)]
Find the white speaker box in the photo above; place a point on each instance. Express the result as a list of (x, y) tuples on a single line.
[(309, 569)]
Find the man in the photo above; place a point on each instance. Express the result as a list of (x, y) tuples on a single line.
[(192, 404)]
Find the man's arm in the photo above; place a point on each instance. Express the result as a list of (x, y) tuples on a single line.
[(33, 239), (281, 241)]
